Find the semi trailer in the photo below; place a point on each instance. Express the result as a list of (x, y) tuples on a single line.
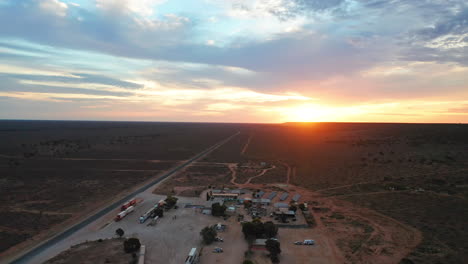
[(128, 204), (122, 214)]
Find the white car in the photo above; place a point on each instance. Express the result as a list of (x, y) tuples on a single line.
[(309, 242)]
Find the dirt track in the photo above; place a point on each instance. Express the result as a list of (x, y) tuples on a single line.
[(389, 234)]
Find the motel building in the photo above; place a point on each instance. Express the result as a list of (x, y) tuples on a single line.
[(259, 245)]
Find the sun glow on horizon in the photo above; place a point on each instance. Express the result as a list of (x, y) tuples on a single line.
[(319, 113)]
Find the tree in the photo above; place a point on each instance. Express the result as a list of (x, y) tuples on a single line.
[(217, 209), (119, 232), (159, 212), (271, 230), (302, 207), (293, 207), (247, 262), (254, 229), (131, 245), (171, 201), (274, 247), (208, 234), (248, 230)]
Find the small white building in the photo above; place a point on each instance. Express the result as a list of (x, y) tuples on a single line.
[(281, 205)]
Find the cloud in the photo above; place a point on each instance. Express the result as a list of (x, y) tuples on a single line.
[(54, 7), (143, 8), (463, 109), (19, 70), (253, 54), (281, 9), (455, 23)]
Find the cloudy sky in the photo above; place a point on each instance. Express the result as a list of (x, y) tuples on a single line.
[(234, 60)]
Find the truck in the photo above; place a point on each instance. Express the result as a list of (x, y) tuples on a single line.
[(128, 204), (154, 221), (161, 203), (122, 214), (146, 215), (192, 257)]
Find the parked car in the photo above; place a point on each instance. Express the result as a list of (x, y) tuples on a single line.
[(309, 242), (298, 243), (217, 250), (218, 239)]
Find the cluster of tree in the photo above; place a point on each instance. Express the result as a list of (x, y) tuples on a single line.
[(274, 248), (158, 212), (119, 232), (171, 201), (208, 234), (302, 207), (131, 245), (218, 209), (257, 229), (293, 207)]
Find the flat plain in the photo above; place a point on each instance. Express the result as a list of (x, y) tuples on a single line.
[(55, 172), (378, 193)]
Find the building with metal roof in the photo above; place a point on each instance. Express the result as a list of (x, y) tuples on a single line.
[(272, 195), (281, 205), (259, 194), (284, 196), (261, 201), (296, 197)]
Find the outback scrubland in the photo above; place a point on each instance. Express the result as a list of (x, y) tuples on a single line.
[(412, 176), (414, 173), (384, 193), (54, 172)]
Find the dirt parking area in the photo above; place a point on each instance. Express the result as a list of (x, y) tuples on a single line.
[(322, 252), (177, 232), (172, 237), (234, 246)]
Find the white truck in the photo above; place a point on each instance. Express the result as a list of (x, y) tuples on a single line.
[(192, 257)]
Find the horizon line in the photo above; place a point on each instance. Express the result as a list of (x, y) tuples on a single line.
[(252, 123)]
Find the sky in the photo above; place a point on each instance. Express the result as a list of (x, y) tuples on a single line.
[(235, 60)]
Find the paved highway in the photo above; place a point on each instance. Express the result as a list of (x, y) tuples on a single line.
[(28, 257)]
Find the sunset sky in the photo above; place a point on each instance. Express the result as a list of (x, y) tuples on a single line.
[(235, 60)]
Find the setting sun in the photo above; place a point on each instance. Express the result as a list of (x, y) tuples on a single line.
[(321, 113), (309, 113)]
